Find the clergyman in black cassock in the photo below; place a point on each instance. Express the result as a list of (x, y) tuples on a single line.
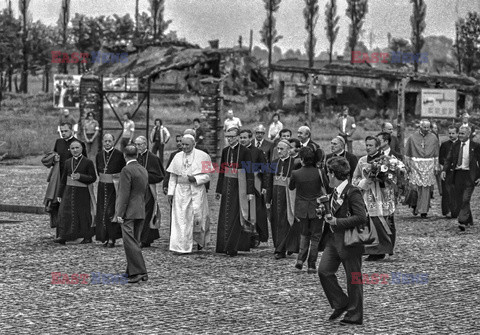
[(156, 173), (75, 213), (109, 162), (231, 235)]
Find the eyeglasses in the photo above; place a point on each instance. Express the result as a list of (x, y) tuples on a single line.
[(230, 136), (139, 144)]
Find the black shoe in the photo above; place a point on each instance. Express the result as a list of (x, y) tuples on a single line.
[(348, 322), (111, 244), (299, 265), (279, 255), (199, 247), (105, 244), (60, 240), (232, 253), (337, 313), (289, 253), (423, 215), (414, 211), (137, 278), (312, 268), (86, 240), (144, 245), (461, 227)]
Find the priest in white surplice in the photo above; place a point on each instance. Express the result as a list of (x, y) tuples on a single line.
[(189, 172)]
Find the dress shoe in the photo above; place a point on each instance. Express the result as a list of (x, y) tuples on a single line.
[(348, 322), (423, 215), (105, 244), (60, 240), (111, 244), (299, 265), (86, 240), (137, 278), (337, 313), (289, 253), (279, 255), (312, 268), (461, 227), (199, 247), (144, 245), (414, 211), (232, 253)]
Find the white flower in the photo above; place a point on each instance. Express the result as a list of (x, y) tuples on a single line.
[(393, 161), (390, 176), (383, 168)]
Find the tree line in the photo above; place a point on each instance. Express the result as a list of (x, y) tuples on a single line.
[(26, 46), (466, 47)]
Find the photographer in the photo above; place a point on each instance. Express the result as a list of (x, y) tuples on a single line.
[(348, 211)]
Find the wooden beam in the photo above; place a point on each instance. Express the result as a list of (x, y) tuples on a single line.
[(401, 112)]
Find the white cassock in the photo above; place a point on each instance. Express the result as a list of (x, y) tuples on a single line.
[(190, 212)]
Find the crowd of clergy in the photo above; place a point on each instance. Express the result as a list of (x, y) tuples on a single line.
[(269, 183)]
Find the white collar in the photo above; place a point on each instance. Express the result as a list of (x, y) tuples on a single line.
[(284, 159), (340, 153), (234, 146), (144, 152), (131, 160), (305, 144), (467, 142), (109, 149), (68, 139), (341, 187)]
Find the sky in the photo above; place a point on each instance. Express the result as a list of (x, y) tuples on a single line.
[(202, 20)]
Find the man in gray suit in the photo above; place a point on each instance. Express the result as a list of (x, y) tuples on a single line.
[(130, 212)]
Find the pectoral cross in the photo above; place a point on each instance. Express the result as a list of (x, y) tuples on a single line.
[(423, 144)]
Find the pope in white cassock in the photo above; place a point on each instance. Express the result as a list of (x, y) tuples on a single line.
[(189, 172)]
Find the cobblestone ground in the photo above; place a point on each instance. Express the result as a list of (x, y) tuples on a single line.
[(206, 293)]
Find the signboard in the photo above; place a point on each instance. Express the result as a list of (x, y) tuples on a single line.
[(66, 91), (439, 103), (121, 84)]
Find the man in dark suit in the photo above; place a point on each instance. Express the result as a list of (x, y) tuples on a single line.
[(305, 136), (385, 140), (259, 169), (349, 212), (346, 127), (265, 145), (387, 127), (464, 162), (310, 186), (130, 213), (337, 145), (447, 185)]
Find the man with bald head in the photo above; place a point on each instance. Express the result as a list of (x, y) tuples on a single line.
[(261, 143), (337, 146), (421, 156), (189, 172), (156, 173), (387, 127), (305, 136), (110, 163)]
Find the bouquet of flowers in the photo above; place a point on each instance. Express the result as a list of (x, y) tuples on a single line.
[(386, 169)]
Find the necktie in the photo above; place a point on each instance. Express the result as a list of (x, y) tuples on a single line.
[(335, 204), (258, 144), (460, 156), (161, 134)]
